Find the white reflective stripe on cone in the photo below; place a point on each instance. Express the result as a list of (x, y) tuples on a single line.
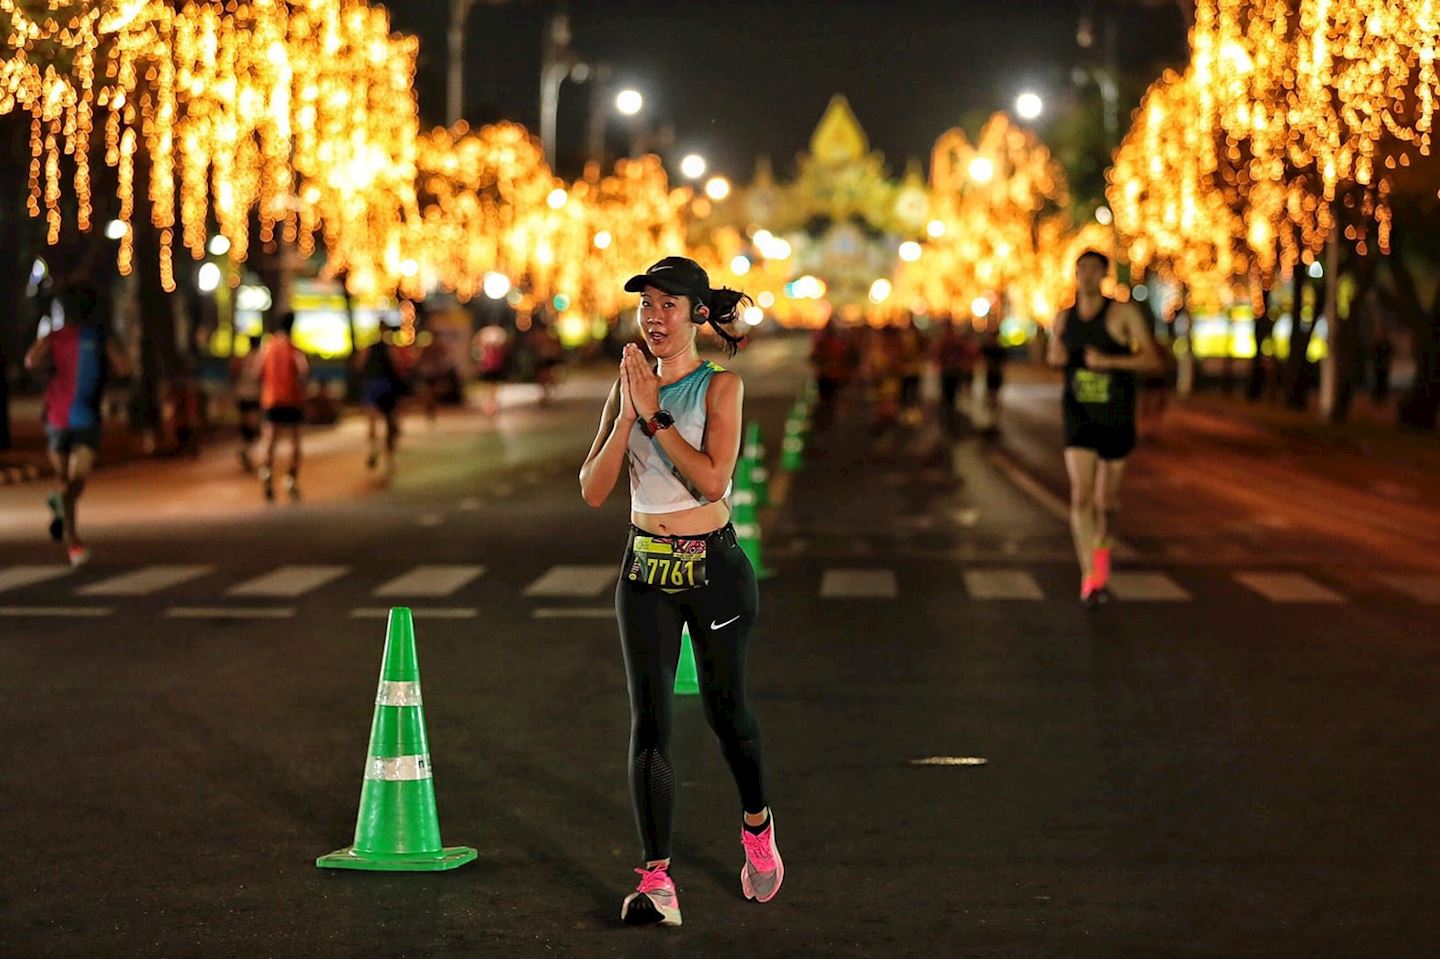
[(397, 694), (392, 769)]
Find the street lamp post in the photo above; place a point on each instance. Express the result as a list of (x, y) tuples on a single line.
[(599, 112), (556, 63), (455, 48)]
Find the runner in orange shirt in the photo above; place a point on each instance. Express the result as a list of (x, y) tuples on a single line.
[(283, 375)]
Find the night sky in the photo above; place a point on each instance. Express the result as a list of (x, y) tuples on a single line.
[(748, 78)]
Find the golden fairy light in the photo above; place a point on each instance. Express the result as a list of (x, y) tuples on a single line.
[(1290, 115), (301, 113), (999, 226)]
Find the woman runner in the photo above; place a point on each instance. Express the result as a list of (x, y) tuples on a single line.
[(677, 425)]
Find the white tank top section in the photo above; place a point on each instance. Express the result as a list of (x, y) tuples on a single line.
[(655, 485)]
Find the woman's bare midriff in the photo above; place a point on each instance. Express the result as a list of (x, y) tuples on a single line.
[(686, 522)]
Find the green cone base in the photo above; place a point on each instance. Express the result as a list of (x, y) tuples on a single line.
[(450, 857)]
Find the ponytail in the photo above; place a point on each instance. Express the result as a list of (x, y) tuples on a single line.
[(727, 312)]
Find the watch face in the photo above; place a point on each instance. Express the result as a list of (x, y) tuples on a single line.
[(663, 419)]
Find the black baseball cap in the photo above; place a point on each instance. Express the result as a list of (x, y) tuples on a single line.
[(674, 274)]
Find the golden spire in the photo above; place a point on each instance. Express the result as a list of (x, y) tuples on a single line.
[(838, 138)]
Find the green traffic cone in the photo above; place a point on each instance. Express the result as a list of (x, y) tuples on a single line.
[(759, 475), (792, 447), (687, 681), (747, 524), (398, 829)]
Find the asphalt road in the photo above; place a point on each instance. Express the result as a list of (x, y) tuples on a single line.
[(1236, 759)]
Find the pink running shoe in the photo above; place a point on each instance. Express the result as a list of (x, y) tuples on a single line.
[(653, 901), (763, 871)]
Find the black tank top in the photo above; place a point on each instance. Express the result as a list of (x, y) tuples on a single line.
[(1111, 391)]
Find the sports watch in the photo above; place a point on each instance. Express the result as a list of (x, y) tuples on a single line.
[(662, 420)]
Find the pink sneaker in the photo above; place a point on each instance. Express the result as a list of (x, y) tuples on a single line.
[(653, 901), (763, 871)]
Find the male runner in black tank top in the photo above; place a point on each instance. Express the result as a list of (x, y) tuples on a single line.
[(1101, 345)]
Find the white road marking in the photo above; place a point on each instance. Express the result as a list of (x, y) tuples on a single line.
[(1148, 587), (858, 584), (66, 612), (1425, 589), (16, 577), (574, 581), (1288, 588), (143, 582), (950, 761), (229, 612), (431, 581), (1001, 584), (419, 612), (289, 581), (574, 612)]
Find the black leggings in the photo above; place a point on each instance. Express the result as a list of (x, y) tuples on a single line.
[(719, 615)]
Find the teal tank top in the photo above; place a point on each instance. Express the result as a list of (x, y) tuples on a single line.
[(656, 486)]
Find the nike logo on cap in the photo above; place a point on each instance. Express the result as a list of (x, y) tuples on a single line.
[(715, 625)]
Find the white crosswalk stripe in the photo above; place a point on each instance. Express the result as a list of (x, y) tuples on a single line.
[(229, 612), (859, 584), (1148, 588), (61, 612), (18, 577), (1001, 584), (1288, 588), (574, 612), (289, 581), (1419, 587), (418, 612), (587, 581), (431, 581), (143, 582)]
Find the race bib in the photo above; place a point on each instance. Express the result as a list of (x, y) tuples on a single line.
[(673, 565), (1091, 387)]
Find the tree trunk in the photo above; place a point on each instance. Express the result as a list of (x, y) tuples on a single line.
[(1264, 326), (158, 356), (1420, 406), (1296, 371)]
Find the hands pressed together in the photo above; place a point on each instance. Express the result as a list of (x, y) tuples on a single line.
[(639, 386)]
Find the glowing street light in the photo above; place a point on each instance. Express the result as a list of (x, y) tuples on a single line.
[(629, 102), (909, 251), (717, 188), (116, 229), (982, 169), (880, 291), (980, 306), (692, 167), (754, 316), (557, 198), (740, 265), (208, 278), (935, 228), (1029, 105), (1104, 217), (603, 239), (219, 245), (496, 285)]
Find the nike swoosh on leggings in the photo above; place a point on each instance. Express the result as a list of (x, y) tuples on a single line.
[(714, 625)]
